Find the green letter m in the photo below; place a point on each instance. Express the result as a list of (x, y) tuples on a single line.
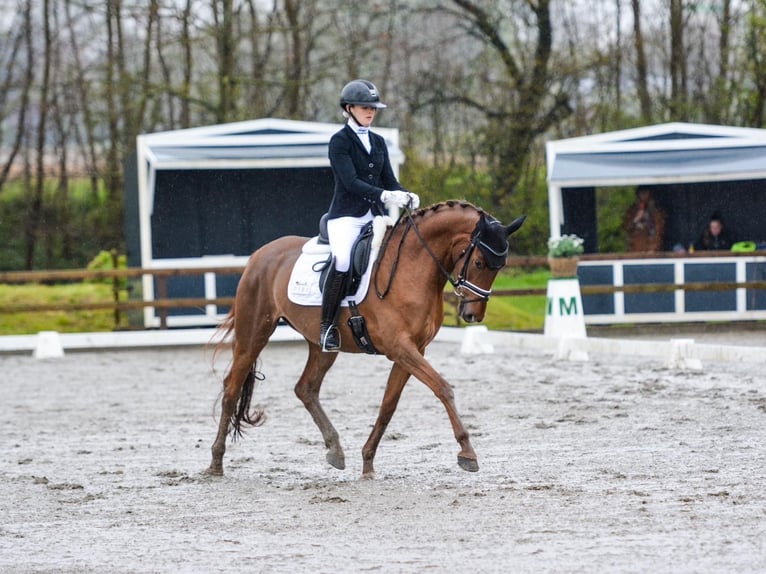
[(568, 309)]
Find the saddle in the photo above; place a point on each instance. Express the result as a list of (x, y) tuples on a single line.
[(360, 256), (360, 259)]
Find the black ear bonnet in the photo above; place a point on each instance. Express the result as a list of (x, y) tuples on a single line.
[(491, 237)]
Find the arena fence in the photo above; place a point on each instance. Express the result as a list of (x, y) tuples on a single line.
[(122, 303)]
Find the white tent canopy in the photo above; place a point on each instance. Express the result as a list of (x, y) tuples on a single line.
[(253, 144), (661, 154)]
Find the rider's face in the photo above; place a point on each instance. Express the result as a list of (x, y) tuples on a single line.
[(363, 114)]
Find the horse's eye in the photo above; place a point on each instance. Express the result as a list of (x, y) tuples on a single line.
[(479, 264)]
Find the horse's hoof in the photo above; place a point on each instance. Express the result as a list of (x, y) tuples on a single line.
[(368, 475), (469, 464), (336, 460), (213, 471)]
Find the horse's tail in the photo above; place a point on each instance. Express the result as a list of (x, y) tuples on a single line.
[(222, 333), (243, 415)]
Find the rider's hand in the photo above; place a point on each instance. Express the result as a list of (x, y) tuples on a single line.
[(413, 201), (395, 197)]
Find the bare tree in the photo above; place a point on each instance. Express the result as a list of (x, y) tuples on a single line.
[(23, 37), (188, 59), (82, 87), (526, 100), (678, 108), (642, 73), (111, 86), (223, 15), (721, 95), (473, 84), (35, 209), (261, 38), (754, 100)]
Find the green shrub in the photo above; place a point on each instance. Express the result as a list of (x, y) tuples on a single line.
[(73, 227)]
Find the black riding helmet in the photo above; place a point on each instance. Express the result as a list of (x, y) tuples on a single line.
[(360, 93)]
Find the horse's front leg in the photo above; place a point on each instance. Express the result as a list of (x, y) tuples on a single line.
[(396, 381), (307, 390), (414, 362)]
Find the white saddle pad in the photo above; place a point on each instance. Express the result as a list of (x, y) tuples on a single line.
[(303, 288)]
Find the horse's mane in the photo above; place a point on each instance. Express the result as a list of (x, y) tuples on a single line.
[(448, 204)]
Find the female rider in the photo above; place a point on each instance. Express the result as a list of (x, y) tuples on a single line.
[(364, 182)]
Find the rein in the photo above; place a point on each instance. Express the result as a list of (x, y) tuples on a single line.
[(395, 264), (459, 284)]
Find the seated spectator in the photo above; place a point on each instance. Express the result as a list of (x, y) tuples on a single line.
[(715, 236), (644, 223)]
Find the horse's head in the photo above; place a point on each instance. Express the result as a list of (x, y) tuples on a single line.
[(482, 260)]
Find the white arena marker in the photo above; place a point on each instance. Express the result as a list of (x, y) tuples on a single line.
[(680, 351), (475, 341), (48, 345), (567, 350), (564, 317)]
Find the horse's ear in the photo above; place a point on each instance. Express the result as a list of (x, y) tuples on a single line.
[(515, 224)]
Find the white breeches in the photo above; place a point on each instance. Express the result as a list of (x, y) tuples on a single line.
[(342, 232)]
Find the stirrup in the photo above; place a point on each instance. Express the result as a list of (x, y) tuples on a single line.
[(329, 339)]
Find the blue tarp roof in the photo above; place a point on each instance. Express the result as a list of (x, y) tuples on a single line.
[(255, 143), (658, 154)]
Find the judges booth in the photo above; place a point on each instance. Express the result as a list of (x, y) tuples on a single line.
[(208, 197), (693, 170)]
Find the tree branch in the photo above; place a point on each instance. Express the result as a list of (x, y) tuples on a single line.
[(482, 21)]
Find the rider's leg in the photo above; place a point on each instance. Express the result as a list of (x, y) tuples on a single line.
[(332, 294), (342, 232)]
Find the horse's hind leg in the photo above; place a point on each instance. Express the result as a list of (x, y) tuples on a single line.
[(237, 390), (396, 381), (233, 384), (307, 390)]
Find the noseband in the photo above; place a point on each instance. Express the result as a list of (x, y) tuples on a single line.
[(495, 260)]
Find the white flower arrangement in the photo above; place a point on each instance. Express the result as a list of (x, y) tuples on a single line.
[(565, 246)]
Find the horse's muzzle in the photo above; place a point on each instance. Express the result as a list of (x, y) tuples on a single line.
[(472, 311)]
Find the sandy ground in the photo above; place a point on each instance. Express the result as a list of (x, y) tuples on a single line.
[(609, 465)]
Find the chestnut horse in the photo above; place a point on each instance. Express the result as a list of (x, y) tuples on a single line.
[(417, 258)]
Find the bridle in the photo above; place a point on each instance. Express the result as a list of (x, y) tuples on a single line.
[(460, 284)]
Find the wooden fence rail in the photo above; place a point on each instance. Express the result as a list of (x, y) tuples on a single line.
[(119, 305), (117, 276)]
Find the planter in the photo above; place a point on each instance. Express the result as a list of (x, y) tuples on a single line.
[(563, 266)]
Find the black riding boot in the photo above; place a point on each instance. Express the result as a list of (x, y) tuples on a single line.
[(332, 294)]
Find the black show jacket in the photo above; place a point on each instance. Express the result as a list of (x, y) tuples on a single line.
[(360, 177)]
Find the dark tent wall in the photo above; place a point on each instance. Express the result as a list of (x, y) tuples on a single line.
[(234, 212), (580, 216), (742, 205), (688, 208)]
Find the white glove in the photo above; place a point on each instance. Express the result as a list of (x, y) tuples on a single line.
[(413, 201), (400, 198), (396, 198)]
